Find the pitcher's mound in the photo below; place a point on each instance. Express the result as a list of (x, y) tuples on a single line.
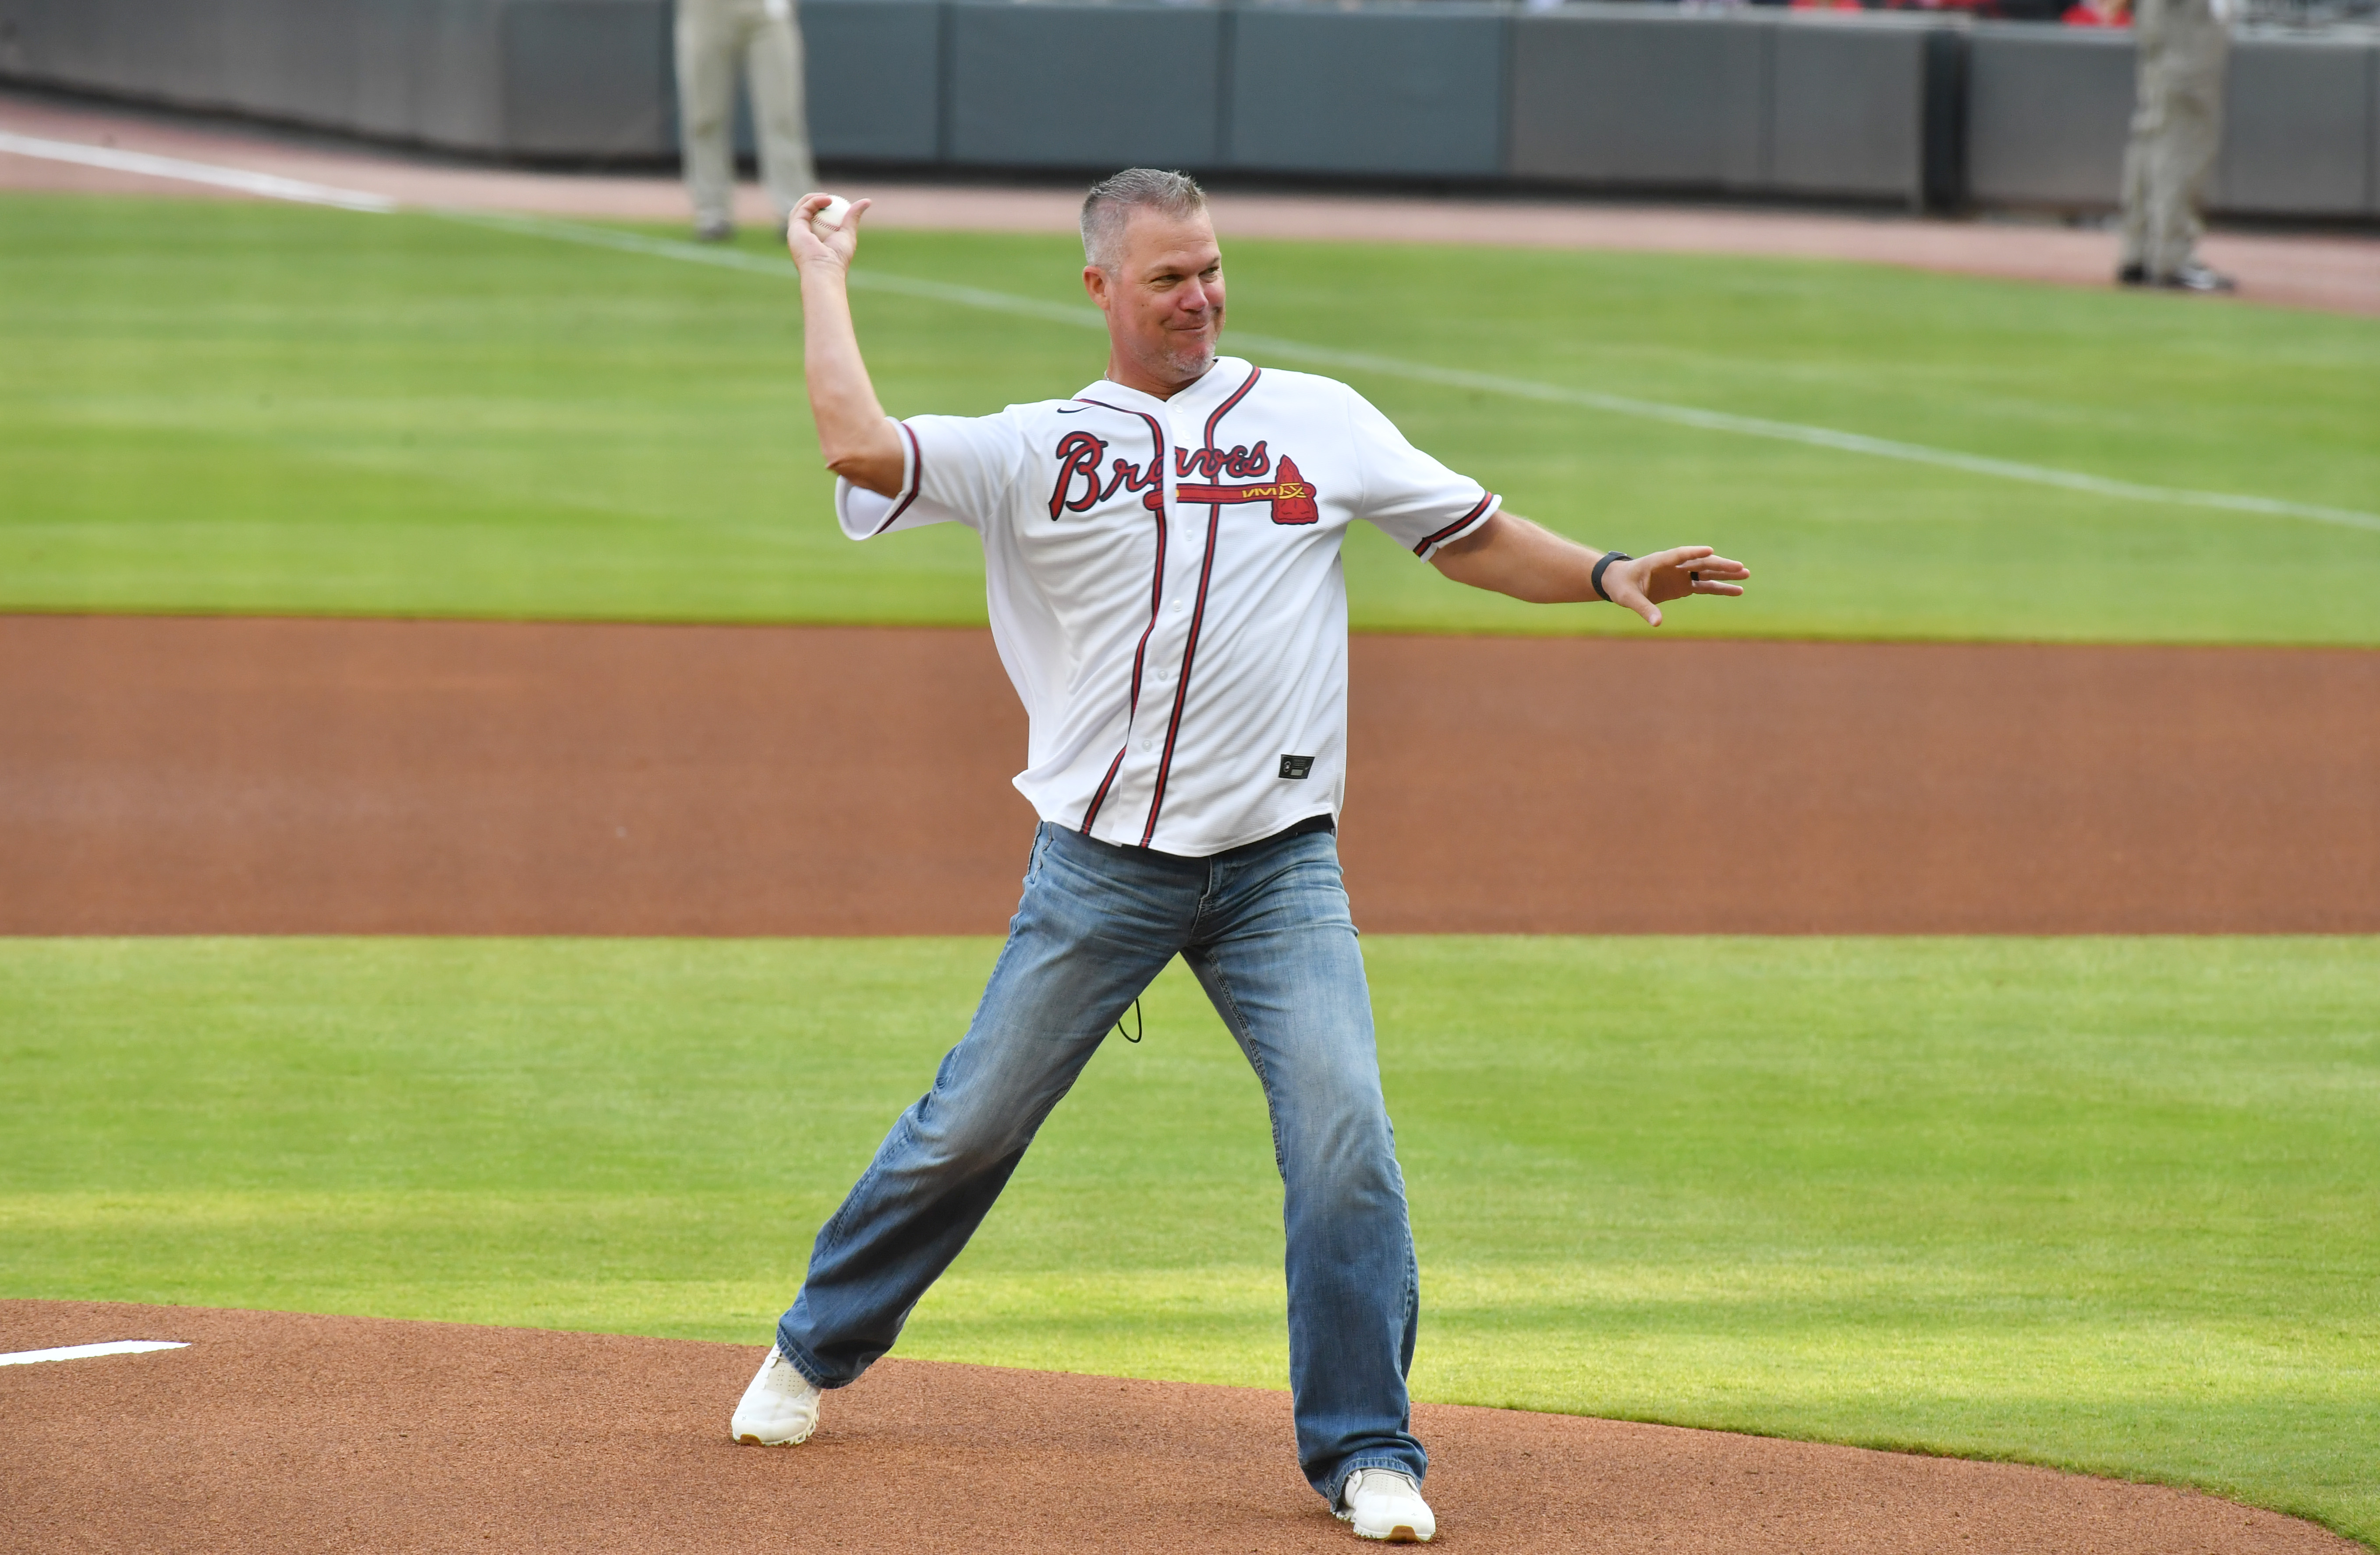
[(286, 1432)]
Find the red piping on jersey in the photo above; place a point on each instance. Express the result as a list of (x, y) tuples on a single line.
[(1101, 797), (1155, 598), (1457, 526), (1197, 616), (1238, 394), (918, 484)]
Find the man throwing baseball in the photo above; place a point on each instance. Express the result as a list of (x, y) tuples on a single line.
[(1161, 555)]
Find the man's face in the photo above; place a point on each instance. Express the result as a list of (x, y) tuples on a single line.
[(1165, 302)]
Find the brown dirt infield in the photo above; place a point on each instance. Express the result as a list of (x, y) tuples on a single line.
[(2334, 271), (165, 776), (282, 1432)]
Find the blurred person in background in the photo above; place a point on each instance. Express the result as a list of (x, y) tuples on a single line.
[(2177, 128), (713, 35)]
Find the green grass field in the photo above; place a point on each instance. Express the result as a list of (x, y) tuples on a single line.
[(2101, 1204), (2109, 1204), (251, 407)]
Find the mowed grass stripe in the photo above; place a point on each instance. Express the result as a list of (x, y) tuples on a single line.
[(252, 408), (2106, 1203), (864, 279), (1000, 302)]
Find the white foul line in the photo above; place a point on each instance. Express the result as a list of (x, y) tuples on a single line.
[(1320, 355), (77, 1352), (266, 184)]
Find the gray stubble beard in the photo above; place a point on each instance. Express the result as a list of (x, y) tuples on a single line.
[(1192, 368)]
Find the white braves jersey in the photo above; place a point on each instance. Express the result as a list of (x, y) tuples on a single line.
[(1165, 587)]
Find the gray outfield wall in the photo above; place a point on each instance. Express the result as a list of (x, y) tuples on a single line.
[(2047, 109), (1901, 108), (564, 78)]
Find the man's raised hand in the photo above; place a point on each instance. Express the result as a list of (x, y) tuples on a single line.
[(837, 248), (1641, 583)]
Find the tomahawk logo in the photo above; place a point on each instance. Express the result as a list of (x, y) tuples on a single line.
[(1292, 494)]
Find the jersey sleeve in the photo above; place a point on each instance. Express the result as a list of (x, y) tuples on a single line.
[(1414, 497), (955, 470)]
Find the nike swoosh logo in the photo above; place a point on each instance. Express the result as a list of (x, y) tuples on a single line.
[(1076, 411)]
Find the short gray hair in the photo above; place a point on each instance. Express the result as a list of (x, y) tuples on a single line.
[(1109, 207)]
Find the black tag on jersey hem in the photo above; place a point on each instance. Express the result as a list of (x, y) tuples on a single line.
[(1296, 767)]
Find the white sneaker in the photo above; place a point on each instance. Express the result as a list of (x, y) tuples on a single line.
[(1386, 1503), (779, 1409)]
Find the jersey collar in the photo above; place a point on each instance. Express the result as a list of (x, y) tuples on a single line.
[(1227, 374)]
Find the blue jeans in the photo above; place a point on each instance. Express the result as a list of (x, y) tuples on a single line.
[(1267, 931)]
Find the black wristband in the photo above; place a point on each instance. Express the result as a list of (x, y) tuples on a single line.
[(1595, 579)]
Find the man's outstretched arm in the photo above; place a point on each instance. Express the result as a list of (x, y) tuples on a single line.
[(853, 433), (1510, 555)]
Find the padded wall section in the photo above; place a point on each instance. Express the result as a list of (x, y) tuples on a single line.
[(456, 94), (25, 45), (1847, 113), (1083, 85), (31, 39), (175, 55), (873, 78), (2047, 112), (99, 42), (413, 70), (390, 47), (1393, 90), (2298, 131), (431, 71), (587, 78), (290, 59), (57, 41), (1638, 96)]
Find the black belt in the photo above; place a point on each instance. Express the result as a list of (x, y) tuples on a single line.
[(1307, 828)]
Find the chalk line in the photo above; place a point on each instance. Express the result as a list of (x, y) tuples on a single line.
[(269, 185), (78, 1352)]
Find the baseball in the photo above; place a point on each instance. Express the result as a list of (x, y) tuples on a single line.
[(828, 219)]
